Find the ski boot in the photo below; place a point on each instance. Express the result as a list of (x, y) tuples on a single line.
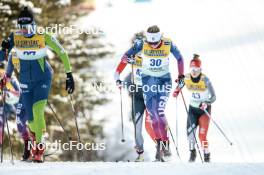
[(39, 155), (140, 158), (207, 158), (33, 146), (166, 148), (159, 152), (192, 155), (26, 151)]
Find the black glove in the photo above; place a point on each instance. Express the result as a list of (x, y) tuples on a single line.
[(131, 60), (119, 83), (5, 44), (180, 80), (69, 83)]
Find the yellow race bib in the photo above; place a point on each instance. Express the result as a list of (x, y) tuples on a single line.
[(156, 61)]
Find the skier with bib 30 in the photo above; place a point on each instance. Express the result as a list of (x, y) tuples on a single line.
[(133, 83), (156, 80)]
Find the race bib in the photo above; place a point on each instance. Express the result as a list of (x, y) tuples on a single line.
[(198, 91), (30, 48), (156, 61)]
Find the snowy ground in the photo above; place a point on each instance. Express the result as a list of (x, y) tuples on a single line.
[(107, 168)]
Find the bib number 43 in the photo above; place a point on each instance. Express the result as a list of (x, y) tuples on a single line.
[(196, 95)]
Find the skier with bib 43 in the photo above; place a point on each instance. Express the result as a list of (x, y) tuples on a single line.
[(202, 95)]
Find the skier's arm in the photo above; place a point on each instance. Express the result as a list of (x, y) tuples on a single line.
[(121, 66), (15, 84), (7, 46), (176, 53), (54, 45), (211, 91), (136, 48)]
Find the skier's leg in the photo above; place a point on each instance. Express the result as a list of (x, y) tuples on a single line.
[(151, 103), (164, 88), (39, 121), (159, 103), (139, 108), (21, 120), (151, 107), (192, 123), (204, 121), (27, 101), (148, 126), (40, 96)]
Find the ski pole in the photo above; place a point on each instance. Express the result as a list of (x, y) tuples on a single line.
[(76, 125), (3, 132), (177, 131), (121, 112), (133, 100), (58, 120), (218, 127), (176, 147), (8, 133), (190, 123), (10, 143)]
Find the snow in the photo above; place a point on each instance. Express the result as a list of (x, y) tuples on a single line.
[(121, 168)]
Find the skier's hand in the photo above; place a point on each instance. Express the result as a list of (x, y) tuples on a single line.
[(180, 79), (5, 44), (3, 81), (130, 60), (119, 84), (176, 92), (203, 106), (69, 83)]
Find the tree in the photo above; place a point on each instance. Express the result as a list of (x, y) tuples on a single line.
[(48, 13)]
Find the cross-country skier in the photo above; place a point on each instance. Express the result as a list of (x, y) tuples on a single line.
[(133, 83), (202, 95), (21, 118), (11, 93), (156, 79), (35, 73)]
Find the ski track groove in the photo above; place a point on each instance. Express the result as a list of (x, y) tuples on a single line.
[(120, 168)]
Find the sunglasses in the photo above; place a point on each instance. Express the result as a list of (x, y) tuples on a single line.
[(195, 69)]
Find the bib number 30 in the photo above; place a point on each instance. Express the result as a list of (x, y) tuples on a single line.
[(155, 62)]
